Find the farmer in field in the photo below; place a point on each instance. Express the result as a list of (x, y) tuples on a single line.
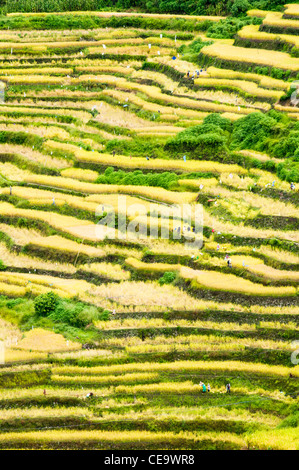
[(227, 388), (204, 389)]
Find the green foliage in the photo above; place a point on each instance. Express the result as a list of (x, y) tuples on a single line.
[(273, 133), (75, 314), (218, 120), (137, 146), (229, 27), (291, 421), (190, 7), (191, 51), (137, 178), (289, 170), (24, 378), (252, 131), (205, 139), (45, 304), (167, 278)]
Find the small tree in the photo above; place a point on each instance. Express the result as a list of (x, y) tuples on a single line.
[(167, 278), (46, 304)]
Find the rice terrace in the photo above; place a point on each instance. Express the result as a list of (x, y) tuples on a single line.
[(149, 225)]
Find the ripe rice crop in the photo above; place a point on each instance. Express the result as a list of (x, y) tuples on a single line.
[(78, 173), (45, 341), (189, 366), (265, 205), (35, 412), (64, 245), (75, 227), (244, 231), (258, 13), (249, 87), (229, 282), (107, 379), (139, 162), (150, 343), (43, 131), (275, 274), (291, 9), (151, 267), (12, 172), (35, 71), (15, 356), (31, 110), (159, 194), (106, 270), (153, 107), (9, 258), (277, 439), (276, 19), (252, 32), (264, 81), (119, 439), (263, 157), (34, 156), (156, 94), (209, 343), (105, 69), (265, 57), (198, 183)]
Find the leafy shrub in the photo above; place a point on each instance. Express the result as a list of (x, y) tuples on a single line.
[(167, 278), (75, 314), (291, 421), (45, 304), (252, 131), (287, 147), (289, 170), (218, 120), (205, 139), (137, 178), (228, 28)]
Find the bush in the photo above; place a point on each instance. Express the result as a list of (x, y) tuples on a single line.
[(289, 170), (228, 28), (137, 178), (75, 314), (205, 139), (240, 7), (251, 131), (45, 304), (167, 278)]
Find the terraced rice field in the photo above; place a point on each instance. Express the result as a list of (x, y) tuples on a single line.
[(91, 125)]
